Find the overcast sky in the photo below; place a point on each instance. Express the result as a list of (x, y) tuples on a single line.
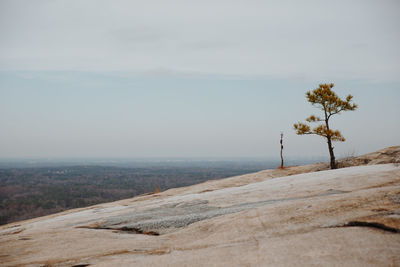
[(192, 78)]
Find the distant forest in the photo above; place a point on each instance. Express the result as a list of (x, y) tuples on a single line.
[(31, 192)]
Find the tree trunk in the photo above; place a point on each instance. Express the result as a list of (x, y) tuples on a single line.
[(330, 147), (333, 161)]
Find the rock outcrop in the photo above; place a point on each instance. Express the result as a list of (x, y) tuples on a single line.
[(301, 215)]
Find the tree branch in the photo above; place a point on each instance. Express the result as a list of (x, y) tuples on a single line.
[(336, 112)]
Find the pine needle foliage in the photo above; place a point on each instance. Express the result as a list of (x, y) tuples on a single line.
[(325, 99)]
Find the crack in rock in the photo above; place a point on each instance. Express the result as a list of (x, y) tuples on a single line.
[(372, 225)]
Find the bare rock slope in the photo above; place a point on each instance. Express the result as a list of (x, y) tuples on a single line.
[(298, 216)]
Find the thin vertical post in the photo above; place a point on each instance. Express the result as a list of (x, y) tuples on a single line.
[(281, 150)]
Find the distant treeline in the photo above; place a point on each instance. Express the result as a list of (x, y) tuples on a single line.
[(31, 192)]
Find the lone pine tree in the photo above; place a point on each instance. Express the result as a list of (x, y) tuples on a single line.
[(330, 103)]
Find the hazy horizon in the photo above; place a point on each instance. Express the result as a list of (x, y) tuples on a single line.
[(184, 162), (189, 79)]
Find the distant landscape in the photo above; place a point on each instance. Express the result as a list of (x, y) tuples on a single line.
[(48, 187)]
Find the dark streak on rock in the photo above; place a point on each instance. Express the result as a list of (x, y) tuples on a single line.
[(371, 225), (124, 229), (136, 231)]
